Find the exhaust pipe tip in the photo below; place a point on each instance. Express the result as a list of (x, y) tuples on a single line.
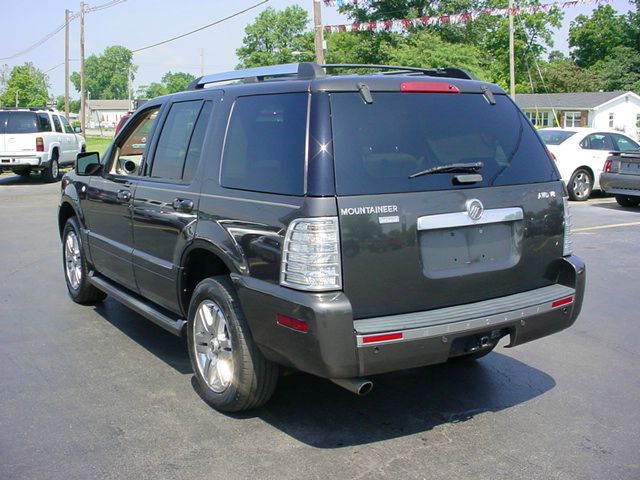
[(359, 386)]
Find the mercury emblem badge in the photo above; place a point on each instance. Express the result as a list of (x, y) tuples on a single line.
[(475, 209)]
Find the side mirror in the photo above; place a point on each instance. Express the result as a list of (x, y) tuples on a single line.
[(88, 163), (77, 130)]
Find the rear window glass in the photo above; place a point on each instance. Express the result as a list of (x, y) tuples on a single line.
[(377, 146), (554, 137), (23, 122), (265, 145)]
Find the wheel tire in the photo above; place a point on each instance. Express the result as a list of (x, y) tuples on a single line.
[(74, 265), (50, 172), (580, 185), (627, 201), (23, 172), (221, 348), (471, 357)]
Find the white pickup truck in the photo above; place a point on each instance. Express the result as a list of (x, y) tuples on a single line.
[(35, 139)]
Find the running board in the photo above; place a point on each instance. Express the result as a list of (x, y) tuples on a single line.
[(138, 304)]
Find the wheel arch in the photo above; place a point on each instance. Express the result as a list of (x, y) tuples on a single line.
[(65, 212)]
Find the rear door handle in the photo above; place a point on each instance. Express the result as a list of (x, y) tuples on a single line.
[(183, 205), (124, 195)]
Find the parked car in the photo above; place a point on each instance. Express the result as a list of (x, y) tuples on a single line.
[(344, 226), (37, 139), (580, 153), (621, 177)]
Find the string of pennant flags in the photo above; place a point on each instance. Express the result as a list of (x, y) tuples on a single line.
[(460, 18)]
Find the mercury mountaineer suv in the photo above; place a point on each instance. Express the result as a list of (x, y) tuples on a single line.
[(342, 225)]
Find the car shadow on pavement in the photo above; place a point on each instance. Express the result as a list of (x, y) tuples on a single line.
[(167, 347), (323, 415), (33, 179)]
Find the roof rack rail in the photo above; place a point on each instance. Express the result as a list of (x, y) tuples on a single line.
[(33, 109), (448, 72), (302, 70)]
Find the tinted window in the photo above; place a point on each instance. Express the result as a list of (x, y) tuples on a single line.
[(265, 145), (56, 122), (22, 122), (377, 146), (197, 140), (624, 144), (3, 122), (554, 137), (598, 141), (174, 139), (44, 123), (65, 124)]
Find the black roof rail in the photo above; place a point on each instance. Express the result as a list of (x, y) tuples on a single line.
[(448, 72), (301, 71)]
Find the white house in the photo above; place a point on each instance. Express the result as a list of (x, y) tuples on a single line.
[(106, 113), (616, 110)]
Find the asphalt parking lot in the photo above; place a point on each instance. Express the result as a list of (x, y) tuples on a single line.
[(100, 392)]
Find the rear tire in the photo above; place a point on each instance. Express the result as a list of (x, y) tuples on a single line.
[(581, 185), (76, 270), (231, 373), (50, 172), (627, 201)]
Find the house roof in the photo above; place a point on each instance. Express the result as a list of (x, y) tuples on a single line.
[(109, 104), (579, 100)]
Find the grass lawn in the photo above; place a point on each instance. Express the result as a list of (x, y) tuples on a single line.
[(97, 144)]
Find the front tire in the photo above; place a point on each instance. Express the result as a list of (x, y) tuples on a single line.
[(231, 373), (76, 270), (627, 201), (581, 185)]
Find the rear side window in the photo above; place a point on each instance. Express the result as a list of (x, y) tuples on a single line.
[(378, 145), (624, 144), (264, 149), (56, 122), (598, 141), (23, 122), (174, 140), (44, 123), (65, 124)]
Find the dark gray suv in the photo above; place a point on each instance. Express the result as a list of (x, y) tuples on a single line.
[(341, 225)]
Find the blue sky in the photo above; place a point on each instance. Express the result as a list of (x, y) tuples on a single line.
[(138, 23)]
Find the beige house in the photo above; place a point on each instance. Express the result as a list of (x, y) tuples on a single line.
[(606, 110), (106, 113)]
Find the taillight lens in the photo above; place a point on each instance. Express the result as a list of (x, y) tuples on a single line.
[(567, 248), (39, 144), (607, 166), (552, 155), (311, 255)]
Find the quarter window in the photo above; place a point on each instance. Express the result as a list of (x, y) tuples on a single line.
[(169, 158), (264, 149), (624, 144), (44, 122), (65, 124)]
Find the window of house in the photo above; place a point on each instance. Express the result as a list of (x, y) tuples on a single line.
[(572, 119), (540, 119), (611, 120)]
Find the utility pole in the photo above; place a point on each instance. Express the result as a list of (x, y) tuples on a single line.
[(66, 63), (512, 68), (82, 83), (319, 39)]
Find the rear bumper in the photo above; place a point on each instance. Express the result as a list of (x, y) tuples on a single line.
[(336, 346), (619, 184), (11, 162)]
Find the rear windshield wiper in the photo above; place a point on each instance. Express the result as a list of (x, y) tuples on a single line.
[(451, 168)]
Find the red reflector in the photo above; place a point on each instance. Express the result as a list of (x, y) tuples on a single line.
[(562, 301), (39, 144), (299, 325), (383, 337), (432, 87), (607, 165)]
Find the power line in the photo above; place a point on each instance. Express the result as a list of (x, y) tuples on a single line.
[(51, 34), (202, 28)]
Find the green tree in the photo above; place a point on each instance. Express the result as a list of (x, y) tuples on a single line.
[(106, 74), (593, 38), (620, 70), (564, 76), (170, 83), (74, 105), (277, 37), (28, 84)]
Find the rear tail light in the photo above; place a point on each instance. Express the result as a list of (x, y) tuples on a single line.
[(567, 248), (552, 155), (311, 255), (607, 166), (39, 144)]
